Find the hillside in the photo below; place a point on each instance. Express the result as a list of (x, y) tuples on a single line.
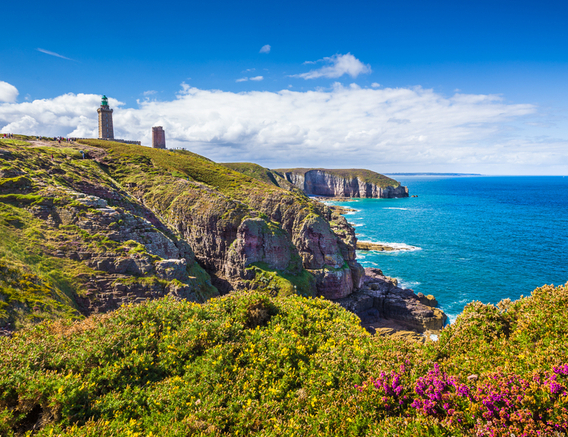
[(131, 223), (261, 173), (252, 364)]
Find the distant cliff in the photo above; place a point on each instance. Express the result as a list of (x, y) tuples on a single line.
[(326, 182), (343, 183)]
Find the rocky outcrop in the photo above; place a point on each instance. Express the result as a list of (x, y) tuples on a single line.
[(344, 183), (382, 306), (140, 261)]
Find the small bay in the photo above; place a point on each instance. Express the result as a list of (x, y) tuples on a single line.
[(480, 238)]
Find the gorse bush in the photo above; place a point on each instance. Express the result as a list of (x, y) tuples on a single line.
[(252, 364)]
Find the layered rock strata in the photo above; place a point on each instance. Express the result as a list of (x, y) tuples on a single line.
[(320, 182)]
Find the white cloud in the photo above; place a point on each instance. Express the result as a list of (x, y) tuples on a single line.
[(150, 92), (8, 92), (265, 49), (47, 52), (245, 79), (388, 129), (375, 85), (338, 66)]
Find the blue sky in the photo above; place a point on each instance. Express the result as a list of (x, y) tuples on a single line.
[(146, 53)]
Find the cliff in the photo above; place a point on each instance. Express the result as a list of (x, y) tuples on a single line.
[(344, 183), (131, 223), (326, 182)]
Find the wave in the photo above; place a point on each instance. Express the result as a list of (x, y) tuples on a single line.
[(407, 284), (357, 225), (451, 317), (392, 207), (398, 247)]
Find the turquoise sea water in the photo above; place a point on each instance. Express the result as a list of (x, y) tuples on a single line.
[(476, 238)]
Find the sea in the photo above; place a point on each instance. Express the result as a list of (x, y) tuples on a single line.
[(464, 239)]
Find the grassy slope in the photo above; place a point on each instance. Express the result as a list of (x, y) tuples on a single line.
[(37, 284), (249, 364), (258, 172), (368, 176), (187, 164)]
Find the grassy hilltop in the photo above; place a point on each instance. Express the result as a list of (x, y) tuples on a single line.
[(83, 235), (261, 173)]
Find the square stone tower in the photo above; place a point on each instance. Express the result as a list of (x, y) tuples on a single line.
[(158, 137), (106, 130)]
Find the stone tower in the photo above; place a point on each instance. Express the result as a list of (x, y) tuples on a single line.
[(106, 130), (158, 137)]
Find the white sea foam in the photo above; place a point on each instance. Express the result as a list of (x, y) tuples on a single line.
[(452, 318), (398, 247), (357, 225), (407, 284), (392, 207)]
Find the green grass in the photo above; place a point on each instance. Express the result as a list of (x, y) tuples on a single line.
[(182, 164), (25, 244), (261, 173), (278, 283)]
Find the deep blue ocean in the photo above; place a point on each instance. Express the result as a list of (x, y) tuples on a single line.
[(473, 238)]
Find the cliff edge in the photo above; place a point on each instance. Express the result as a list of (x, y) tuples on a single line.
[(343, 183), (325, 182)]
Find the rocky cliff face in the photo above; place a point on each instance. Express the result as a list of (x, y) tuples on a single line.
[(382, 305), (137, 228), (284, 231), (326, 183)]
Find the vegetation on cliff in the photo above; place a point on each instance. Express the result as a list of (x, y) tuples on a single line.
[(261, 173), (251, 364)]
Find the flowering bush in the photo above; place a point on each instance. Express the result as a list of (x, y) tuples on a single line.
[(251, 364)]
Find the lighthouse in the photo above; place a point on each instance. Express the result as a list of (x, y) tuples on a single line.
[(106, 130)]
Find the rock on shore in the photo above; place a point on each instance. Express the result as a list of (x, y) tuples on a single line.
[(382, 306)]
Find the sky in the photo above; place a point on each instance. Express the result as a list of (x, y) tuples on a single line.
[(406, 86)]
